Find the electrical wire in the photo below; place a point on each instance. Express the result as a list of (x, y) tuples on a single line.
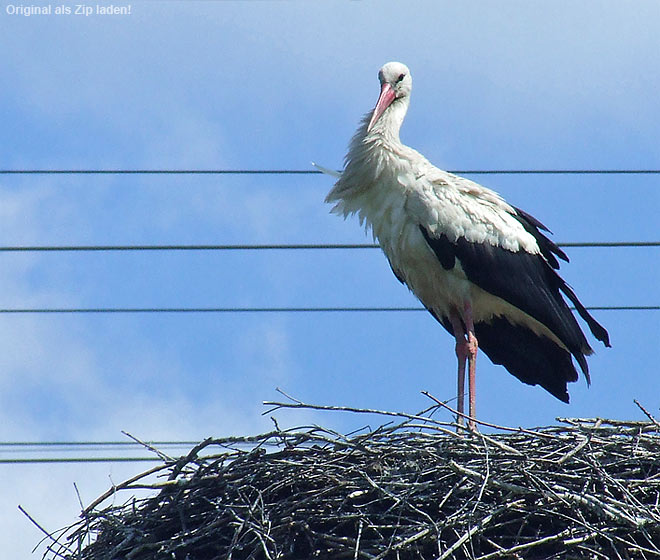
[(84, 451), (24, 460), (12, 446), (315, 171), (39, 452), (267, 247), (111, 310)]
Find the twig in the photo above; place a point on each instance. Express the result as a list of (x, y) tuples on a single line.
[(579, 447), (124, 484), (647, 413), (148, 446), (46, 533), (307, 406), (281, 392), (357, 541), (405, 542), (481, 422), (526, 546), (480, 525)]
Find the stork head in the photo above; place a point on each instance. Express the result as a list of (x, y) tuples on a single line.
[(395, 86)]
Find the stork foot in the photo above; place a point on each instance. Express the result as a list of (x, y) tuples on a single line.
[(466, 350)]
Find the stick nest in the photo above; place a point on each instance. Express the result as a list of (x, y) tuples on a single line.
[(413, 490)]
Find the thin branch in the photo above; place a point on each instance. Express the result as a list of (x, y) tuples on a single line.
[(481, 422), (47, 534), (148, 446), (647, 413)]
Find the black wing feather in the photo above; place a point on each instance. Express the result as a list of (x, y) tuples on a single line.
[(527, 281), (548, 248)]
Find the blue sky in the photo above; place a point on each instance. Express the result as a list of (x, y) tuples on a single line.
[(263, 85)]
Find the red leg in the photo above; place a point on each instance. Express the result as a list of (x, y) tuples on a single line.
[(472, 347), (461, 355)]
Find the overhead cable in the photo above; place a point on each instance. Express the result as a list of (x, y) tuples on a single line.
[(315, 171), (110, 310), (274, 246)]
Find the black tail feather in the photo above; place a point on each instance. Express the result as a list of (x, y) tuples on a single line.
[(594, 326)]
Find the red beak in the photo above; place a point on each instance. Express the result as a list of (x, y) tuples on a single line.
[(387, 95)]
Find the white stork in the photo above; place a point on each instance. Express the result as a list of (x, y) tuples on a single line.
[(481, 267)]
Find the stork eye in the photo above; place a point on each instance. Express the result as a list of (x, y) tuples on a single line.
[(401, 77)]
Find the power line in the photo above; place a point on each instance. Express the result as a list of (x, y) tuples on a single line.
[(48, 445), (37, 452), (159, 172), (315, 171), (267, 247), (23, 460), (195, 247), (146, 310), (44, 448)]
